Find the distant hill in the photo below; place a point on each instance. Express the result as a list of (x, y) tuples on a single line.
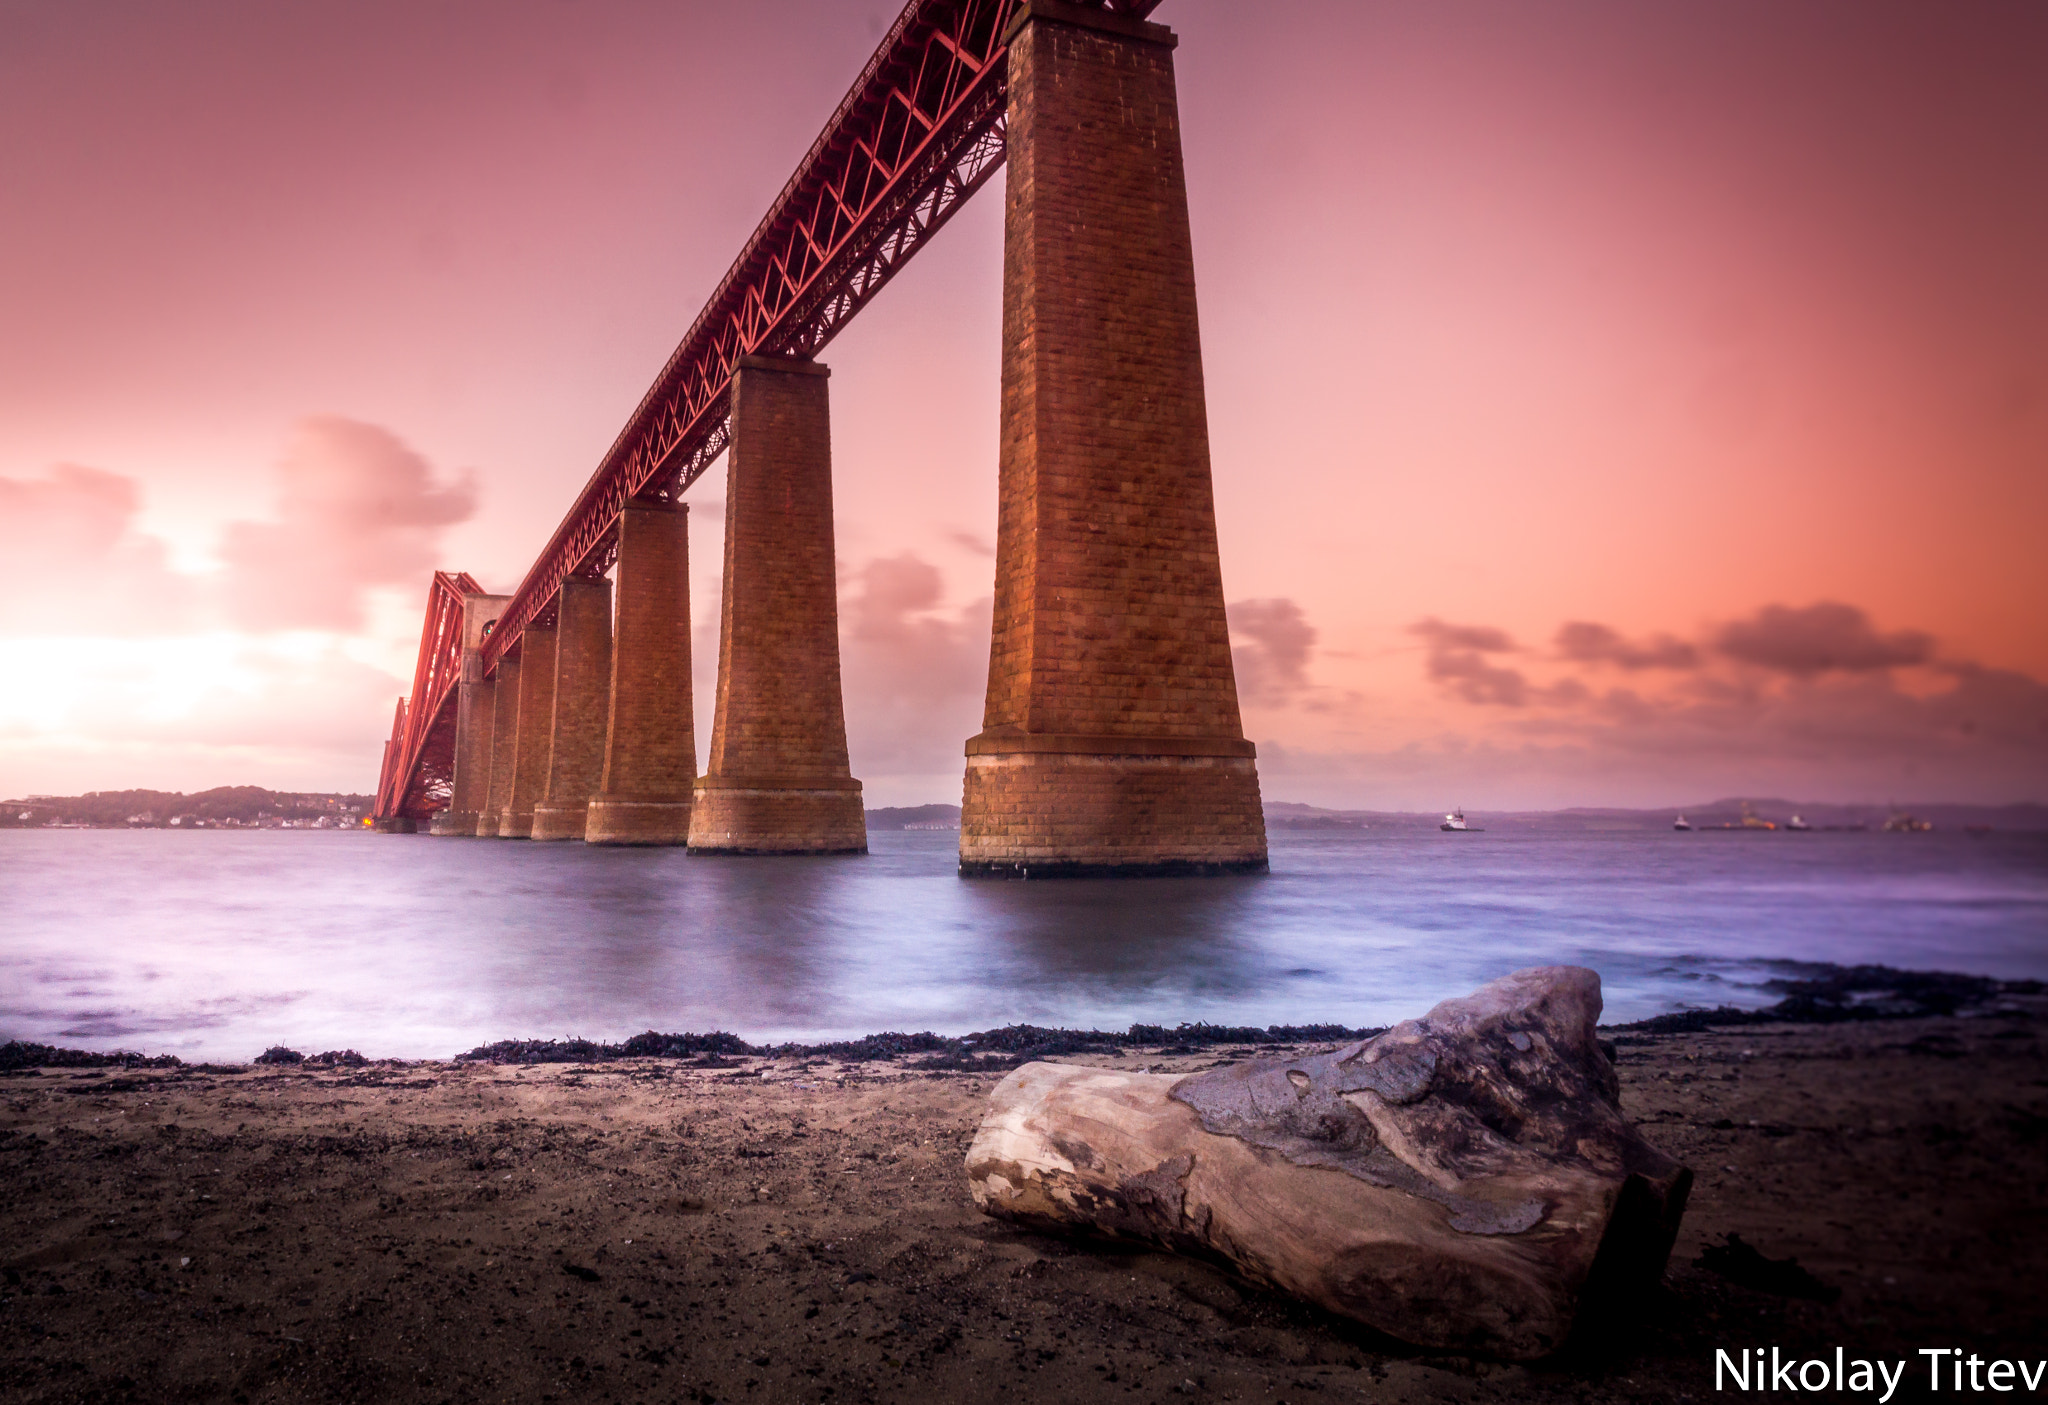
[(246, 806), (228, 806), (1291, 815), (915, 817)]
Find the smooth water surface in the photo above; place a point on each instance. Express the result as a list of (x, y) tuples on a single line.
[(215, 945)]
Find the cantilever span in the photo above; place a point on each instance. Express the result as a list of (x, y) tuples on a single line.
[(919, 132), (1112, 739), (419, 760)]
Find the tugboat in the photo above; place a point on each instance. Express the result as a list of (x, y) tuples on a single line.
[(1682, 823), (1454, 823)]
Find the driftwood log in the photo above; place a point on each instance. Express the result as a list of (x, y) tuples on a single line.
[(1465, 1180)]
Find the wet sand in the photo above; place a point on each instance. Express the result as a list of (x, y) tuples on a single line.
[(800, 1230)]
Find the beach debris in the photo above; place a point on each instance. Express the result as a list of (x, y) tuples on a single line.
[(1465, 1180), (1742, 1264), (278, 1054), (1822, 993), (990, 1051), (18, 1056), (339, 1058)]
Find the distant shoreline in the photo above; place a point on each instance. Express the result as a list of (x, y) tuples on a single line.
[(253, 807)]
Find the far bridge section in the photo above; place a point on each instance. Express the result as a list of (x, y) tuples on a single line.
[(1112, 740)]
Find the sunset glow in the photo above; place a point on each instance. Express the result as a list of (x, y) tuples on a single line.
[(1609, 404)]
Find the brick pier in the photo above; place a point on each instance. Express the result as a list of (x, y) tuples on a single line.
[(475, 701), (583, 669), (1111, 740), (778, 781), (533, 730), (504, 748), (650, 751)]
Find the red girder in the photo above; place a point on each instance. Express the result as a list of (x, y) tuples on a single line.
[(920, 131), (419, 760)]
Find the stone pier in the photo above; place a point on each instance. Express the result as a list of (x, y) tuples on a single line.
[(650, 746), (583, 670), (1111, 740), (533, 731), (778, 781), (475, 701), (504, 747)]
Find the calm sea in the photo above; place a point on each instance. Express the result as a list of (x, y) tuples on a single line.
[(216, 945)]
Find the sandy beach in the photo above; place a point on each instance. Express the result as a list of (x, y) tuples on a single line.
[(797, 1229)]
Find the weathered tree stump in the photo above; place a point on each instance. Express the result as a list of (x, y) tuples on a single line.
[(1465, 1180)]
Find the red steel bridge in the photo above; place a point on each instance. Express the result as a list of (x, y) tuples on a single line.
[(919, 132)]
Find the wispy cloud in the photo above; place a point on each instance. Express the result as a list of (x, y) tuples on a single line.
[(915, 671), (1818, 639), (72, 536), (1816, 685), (356, 508), (1584, 642), (1272, 662), (1457, 660), (264, 669)]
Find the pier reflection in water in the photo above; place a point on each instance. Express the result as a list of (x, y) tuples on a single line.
[(215, 945)]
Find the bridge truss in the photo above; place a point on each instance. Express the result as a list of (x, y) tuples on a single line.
[(919, 132), (419, 760)]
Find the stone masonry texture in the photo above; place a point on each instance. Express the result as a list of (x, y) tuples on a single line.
[(474, 707), (535, 729), (777, 780), (1111, 738), (583, 675), (650, 750), (504, 747)]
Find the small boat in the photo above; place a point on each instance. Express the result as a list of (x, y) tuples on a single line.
[(1798, 825), (1681, 823), (1454, 823)]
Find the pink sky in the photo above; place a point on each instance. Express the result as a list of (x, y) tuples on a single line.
[(1611, 403)]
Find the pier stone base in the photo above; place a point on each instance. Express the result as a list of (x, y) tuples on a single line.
[(453, 822), (650, 759), (778, 819), (533, 731), (504, 748), (1111, 741), (778, 781), (583, 666), (1040, 814)]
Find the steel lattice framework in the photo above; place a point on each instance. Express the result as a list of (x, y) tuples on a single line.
[(918, 133), (419, 760)]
